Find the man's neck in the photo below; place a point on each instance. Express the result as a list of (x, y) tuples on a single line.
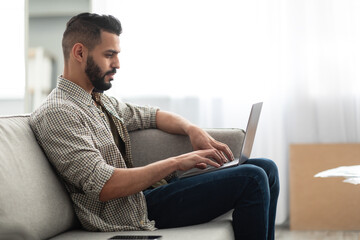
[(79, 79)]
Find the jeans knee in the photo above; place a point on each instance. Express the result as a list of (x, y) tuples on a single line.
[(256, 173), (272, 167), (273, 175), (273, 172), (269, 166)]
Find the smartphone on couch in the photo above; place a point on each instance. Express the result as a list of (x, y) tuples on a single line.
[(140, 237)]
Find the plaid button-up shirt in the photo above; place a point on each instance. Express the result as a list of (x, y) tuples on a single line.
[(76, 138)]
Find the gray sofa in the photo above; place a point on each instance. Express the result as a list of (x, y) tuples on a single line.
[(35, 205)]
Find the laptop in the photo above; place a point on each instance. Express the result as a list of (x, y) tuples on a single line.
[(245, 148)]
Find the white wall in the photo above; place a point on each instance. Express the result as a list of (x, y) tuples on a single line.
[(47, 22)]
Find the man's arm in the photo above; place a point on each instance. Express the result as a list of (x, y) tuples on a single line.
[(125, 182), (128, 181)]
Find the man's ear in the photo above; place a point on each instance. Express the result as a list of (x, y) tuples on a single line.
[(79, 52)]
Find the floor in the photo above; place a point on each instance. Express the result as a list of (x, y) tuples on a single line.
[(283, 233)]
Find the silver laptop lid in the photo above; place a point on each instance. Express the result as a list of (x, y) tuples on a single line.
[(245, 148), (250, 131)]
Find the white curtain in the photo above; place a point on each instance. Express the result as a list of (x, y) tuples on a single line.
[(217, 57)]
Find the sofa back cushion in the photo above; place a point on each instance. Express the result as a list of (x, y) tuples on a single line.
[(31, 195), (152, 145)]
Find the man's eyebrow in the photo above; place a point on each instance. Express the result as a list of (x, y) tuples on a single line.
[(112, 51)]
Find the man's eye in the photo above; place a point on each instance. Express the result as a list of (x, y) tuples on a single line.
[(109, 55)]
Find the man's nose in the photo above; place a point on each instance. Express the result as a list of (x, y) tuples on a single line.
[(116, 63)]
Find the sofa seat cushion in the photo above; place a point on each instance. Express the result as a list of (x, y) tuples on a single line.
[(214, 230)]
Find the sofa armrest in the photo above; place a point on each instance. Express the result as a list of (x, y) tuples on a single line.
[(151, 145)]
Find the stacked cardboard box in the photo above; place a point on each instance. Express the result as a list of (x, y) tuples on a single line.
[(323, 203)]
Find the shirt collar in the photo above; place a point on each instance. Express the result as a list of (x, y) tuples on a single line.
[(74, 90)]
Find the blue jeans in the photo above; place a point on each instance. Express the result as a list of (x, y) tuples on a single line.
[(251, 189)]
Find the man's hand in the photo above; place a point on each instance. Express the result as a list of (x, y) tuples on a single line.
[(198, 159), (201, 140)]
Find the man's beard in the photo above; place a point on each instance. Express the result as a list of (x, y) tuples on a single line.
[(95, 75)]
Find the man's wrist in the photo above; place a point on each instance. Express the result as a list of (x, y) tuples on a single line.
[(190, 129)]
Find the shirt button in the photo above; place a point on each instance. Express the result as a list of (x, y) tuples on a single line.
[(141, 222), (102, 114)]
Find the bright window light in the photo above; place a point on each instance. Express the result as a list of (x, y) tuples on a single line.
[(12, 61), (190, 48)]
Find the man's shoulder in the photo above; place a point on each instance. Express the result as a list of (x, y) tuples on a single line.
[(57, 102)]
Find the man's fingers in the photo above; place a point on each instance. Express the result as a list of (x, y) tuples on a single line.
[(211, 163), (225, 150), (214, 154), (202, 158), (201, 165)]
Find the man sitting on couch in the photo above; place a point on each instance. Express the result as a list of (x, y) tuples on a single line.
[(84, 134)]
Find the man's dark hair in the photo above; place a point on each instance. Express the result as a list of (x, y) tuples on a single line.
[(86, 28)]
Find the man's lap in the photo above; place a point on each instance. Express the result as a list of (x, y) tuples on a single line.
[(201, 198)]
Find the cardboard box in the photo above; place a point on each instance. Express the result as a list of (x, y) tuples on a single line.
[(323, 203)]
